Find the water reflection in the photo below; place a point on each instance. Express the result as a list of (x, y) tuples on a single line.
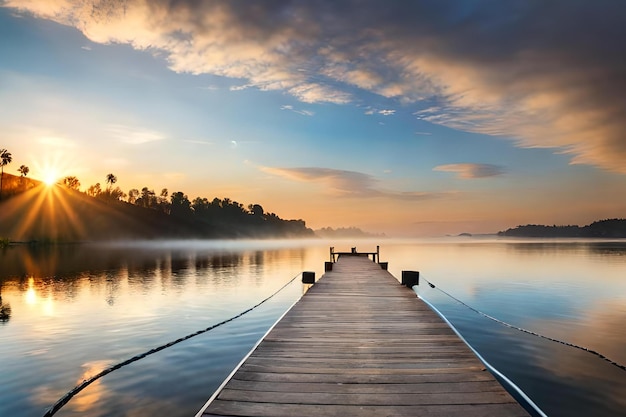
[(78, 308), (595, 247), (5, 312), (60, 270), (97, 390)]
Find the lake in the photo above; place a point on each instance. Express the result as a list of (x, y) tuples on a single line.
[(76, 310)]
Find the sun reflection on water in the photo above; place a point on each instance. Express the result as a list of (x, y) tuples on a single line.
[(31, 293), (92, 395)]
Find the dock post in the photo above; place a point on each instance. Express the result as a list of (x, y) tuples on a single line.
[(410, 278), (328, 266), (308, 277), (384, 265)]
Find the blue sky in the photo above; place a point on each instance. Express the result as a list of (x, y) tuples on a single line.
[(421, 118)]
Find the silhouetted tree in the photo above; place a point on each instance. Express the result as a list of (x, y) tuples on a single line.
[(71, 182), (162, 202), (94, 190), (23, 170), (181, 206), (255, 209), (132, 195), (147, 199), (111, 179), (5, 159)]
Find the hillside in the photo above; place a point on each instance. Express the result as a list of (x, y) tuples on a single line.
[(57, 213), (610, 228)]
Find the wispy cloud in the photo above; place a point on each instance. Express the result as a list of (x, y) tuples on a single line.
[(469, 171), (346, 183), (521, 70), (56, 142), (299, 111), (240, 87), (385, 112), (134, 135), (198, 142)]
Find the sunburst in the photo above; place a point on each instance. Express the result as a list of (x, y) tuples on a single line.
[(52, 169)]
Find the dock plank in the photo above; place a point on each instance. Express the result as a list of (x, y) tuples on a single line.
[(360, 344)]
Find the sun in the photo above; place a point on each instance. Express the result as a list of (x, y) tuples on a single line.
[(50, 177), (50, 171)]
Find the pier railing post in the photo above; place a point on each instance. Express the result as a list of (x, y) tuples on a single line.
[(308, 277), (410, 278)]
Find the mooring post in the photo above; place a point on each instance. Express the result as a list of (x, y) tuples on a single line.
[(384, 265), (328, 266), (308, 277), (377, 256), (410, 278)]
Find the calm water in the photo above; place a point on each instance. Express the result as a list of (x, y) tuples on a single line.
[(76, 310)]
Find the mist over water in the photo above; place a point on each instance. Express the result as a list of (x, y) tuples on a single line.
[(78, 309)]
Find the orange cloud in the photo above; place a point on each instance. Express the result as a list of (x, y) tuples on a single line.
[(347, 183), (546, 75), (467, 171)]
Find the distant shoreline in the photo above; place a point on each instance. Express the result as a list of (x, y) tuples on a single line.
[(610, 228)]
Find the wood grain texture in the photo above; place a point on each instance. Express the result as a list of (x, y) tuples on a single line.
[(360, 344)]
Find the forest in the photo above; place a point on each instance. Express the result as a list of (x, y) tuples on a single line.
[(609, 228), (107, 212)]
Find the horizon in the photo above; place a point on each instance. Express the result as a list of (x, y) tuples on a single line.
[(416, 120)]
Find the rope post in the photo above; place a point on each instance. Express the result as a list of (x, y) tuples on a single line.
[(410, 278), (308, 277)]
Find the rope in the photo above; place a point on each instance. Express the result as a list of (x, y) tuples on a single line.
[(67, 397), (521, 329)]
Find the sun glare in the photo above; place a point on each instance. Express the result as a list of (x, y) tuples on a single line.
[(51, 170), (50, 178)]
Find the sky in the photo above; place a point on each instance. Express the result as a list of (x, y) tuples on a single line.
[(419, 118)]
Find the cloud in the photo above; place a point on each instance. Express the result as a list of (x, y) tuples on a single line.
[(133, 135), (469, 171), (56, 142), (302, 112), (198, 142), (239, 87), (345, 183), (387, 112), (546, 74)]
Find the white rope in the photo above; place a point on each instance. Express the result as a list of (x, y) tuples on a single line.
[(521, 329)]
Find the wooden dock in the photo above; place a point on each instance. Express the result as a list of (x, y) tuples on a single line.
[(360, 344)]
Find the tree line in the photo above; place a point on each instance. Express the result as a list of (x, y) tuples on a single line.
[(609, 228), (222, 217), (217, 217)]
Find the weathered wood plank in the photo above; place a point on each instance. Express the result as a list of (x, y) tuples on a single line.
[(360, 344), (364, 377), (235, 408), (359, 388)]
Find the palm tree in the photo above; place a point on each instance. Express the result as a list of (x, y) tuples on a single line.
[(23, 170), (5, 159), (71, 182), (111, 179)]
